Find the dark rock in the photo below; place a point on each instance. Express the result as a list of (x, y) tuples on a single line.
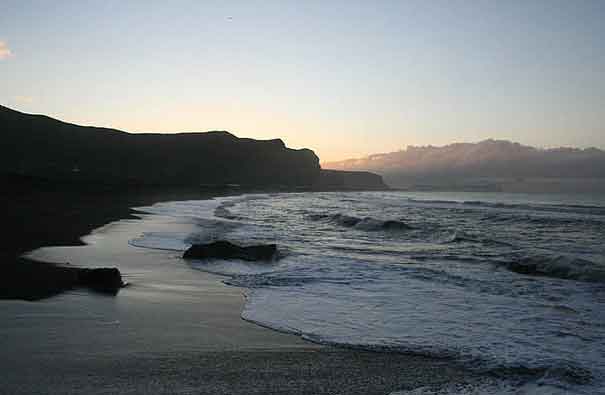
[(104, 279), (29, 280), (349, 180), (227, 250)]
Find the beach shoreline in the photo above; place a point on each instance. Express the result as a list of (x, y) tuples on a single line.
[(176, 330), (39, 214)]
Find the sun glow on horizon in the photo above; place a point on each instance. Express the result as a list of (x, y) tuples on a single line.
[(345, 81)]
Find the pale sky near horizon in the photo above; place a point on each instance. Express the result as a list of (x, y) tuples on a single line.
[(344, 78)]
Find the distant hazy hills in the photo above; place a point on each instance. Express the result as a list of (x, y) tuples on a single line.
[(41, 147), (489, 164)]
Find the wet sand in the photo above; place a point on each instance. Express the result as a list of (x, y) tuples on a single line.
[(37, 213), (175, 330)]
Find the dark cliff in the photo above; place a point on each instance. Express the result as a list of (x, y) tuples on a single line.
[(353, 180), (40, 146)]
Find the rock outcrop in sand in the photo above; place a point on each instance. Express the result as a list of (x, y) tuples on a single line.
[(228, 250)]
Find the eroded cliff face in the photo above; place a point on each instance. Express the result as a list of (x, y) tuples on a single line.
[(40, 146)]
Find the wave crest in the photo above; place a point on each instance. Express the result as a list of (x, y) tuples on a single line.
[(367, 223), (560, 266), (460, 237)]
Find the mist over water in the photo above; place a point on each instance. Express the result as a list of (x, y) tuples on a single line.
[(510, 285)]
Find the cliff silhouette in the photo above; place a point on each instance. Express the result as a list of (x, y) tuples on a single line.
[(45, 147)]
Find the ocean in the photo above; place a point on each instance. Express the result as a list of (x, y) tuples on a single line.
[(511, 286)]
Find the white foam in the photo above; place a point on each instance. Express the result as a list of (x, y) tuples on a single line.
[(186, 209), (232, 267), (171, 241), (411, 292), (490, 386)]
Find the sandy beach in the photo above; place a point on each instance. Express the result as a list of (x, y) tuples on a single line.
[(175, 330)]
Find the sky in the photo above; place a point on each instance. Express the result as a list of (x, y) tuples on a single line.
[(344, 78)]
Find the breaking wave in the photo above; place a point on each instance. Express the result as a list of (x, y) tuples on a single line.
[(539, 207), (366, 223), (460, 237), (560, 266), (511, 290)]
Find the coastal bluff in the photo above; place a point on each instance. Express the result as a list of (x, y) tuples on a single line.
[(45, 147), (57, 151), (350, 180)]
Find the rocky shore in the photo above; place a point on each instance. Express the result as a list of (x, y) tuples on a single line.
[(38, 213)]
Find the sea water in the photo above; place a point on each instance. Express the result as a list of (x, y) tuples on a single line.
[(510, 285)]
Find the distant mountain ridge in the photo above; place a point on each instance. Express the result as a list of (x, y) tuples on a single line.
[(40, 146), (486, 159)]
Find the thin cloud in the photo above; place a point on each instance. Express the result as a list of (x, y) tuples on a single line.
[(5, 51), (23, 99)]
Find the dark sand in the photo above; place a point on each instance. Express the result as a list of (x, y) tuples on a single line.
[(297, 371), (173, 330)]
